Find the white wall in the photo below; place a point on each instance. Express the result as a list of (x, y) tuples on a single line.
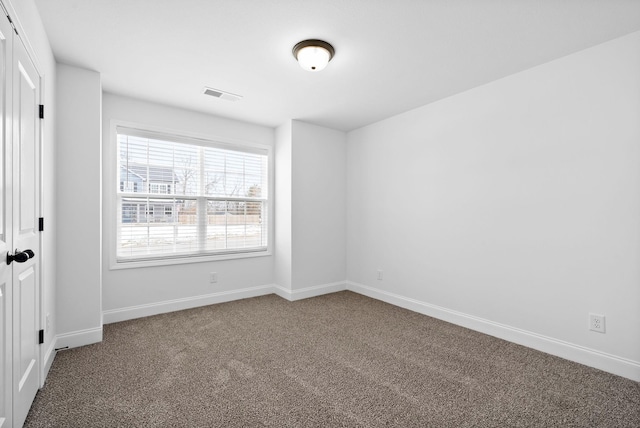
[(283, 252), (318, 205), (79, 206), (25, 14), (310, 210), (129, 293), (512, 208)]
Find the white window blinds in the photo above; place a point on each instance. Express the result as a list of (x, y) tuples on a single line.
[(179, 197)]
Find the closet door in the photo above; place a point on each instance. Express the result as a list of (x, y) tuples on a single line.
[(6, 285), (26, 211)]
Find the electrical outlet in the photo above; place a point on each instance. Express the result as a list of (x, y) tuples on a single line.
[(213, 277), (596, 323), (379, 275)]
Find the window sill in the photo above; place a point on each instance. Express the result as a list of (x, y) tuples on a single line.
[(117, 265)]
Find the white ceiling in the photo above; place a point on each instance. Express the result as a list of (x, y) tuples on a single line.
[(391, 55)]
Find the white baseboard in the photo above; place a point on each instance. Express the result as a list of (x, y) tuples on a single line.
[(79, 338), (590, 357), (580, 354), (139, 311), (132, 312), (49, 356), (307, 292)]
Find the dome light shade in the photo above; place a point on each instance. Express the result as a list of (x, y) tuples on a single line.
[(313, 55)]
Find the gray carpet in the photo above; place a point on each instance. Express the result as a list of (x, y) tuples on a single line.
[(340, 360)]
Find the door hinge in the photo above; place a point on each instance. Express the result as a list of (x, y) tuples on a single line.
[(41, 224), (41, 111), (12, 24), (41, 337)]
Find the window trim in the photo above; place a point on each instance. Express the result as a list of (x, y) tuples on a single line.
[(111, 183)]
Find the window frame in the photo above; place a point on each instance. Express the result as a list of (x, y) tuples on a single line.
[(111, 185)]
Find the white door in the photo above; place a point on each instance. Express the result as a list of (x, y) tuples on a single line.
[(26, 212), (6, 287)]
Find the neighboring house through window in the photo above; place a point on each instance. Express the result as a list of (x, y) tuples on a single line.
[(183, 197)]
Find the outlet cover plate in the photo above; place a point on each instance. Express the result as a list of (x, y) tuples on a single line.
[(597, 323)]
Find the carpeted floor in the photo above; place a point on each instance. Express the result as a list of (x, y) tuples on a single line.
[(340, 360)]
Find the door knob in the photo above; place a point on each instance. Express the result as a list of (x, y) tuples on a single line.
[(20, 256)]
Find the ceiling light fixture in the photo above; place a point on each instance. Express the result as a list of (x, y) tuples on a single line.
[(313, 55)]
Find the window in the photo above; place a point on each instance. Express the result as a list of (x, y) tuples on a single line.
[(163, 188), (127, 186), (184, 197)]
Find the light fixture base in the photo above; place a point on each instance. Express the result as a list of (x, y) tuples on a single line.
[(313, 54)]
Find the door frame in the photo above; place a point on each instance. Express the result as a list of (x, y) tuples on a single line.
[(9, 10), (44, 352)]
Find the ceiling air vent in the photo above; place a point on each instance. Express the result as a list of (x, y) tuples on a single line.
[(221, 94)]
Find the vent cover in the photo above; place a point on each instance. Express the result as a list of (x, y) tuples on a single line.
[(221, 94)]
